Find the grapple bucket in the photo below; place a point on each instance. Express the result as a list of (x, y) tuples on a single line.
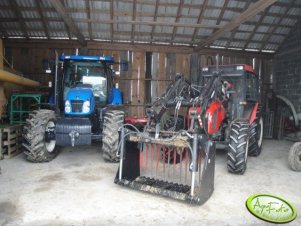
[(181, 168)]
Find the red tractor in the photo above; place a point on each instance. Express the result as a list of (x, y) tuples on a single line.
[(174, 156)]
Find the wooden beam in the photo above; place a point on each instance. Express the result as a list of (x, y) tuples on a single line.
[(133, 18), (112, 13), (15, 8), (45, 26), (88, 11), (155, 18), (253, 10), (179, 11), (60, 8), (200, 18)]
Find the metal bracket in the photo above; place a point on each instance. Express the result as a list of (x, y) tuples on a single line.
[(73, 134)]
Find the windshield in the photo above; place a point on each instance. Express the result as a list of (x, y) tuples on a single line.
[(86, 72)]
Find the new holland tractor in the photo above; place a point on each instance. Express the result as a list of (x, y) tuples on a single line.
[(86, 108), (174, 156)]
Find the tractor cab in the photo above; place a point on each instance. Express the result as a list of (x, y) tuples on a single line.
[(86, 82)]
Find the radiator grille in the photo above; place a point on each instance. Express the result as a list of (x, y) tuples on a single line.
[(76, 105)]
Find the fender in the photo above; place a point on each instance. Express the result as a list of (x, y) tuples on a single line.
[(214, 117), (253, 114)]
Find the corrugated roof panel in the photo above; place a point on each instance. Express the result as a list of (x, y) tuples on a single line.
[(30, 14), (14, 33), (277, 38), (236, 4), (9, 25), (193, 1), (100, 16), (245, 27), (79, 15), (56, 25), (34, 25), (4, 3), (212, 13), (294, 11), (270, 46), (223, 22), (205, 31), (146, 8), (122, 27), (227, 35), (282, 30), (190, 11), (144, 18), (121, 37), (143, 28), (100, 27), (46, 3), (75, 4), (124, 18), (26, 3), (218, 3), (57, 34), (257, 37), (253, 45), (237, 44), (208, 22), (185, 30), (188, 20), (51, 14), (182, 39), (229, 15), (100, 5), (123, 6), (271, 19), (36, 33), (241, 35), (170, 1), (167, 9), (220, 42), (288, 22), (164, 29), (277, 9), (263, 28), (82, 26), (7, 14), (141, 38)]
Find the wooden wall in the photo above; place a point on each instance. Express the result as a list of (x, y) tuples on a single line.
[(141, 79)]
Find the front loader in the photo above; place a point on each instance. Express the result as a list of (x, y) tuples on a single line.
[(174, 156)]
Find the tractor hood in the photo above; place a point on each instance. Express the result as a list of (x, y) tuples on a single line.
[(79, 101)]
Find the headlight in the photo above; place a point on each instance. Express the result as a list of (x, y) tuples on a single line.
[(67, 106), (86, 107)]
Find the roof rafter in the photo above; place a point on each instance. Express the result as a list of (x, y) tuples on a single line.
[(200, 17), (60, 8), (16, 9), (43, 18), (88, 10), (133, 18), (177, 19), (253, 10), (112, 17), (155, 18)]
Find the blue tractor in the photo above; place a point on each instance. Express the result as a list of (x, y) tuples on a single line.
[(87, 107)]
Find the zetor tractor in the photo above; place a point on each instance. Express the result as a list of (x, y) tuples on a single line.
[(86, 109), (174, 156)]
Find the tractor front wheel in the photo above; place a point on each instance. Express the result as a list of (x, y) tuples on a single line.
[(113, 120), (256, 136), (294, 156), (38, 136), (238, 147)]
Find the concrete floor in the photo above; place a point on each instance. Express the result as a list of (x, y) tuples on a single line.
[(77, 189)]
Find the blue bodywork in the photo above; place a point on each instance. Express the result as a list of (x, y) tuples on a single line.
[(115, 97), (81, 94), (107, 59)]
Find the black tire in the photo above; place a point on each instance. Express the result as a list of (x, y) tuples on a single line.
[(37, 149), (113, 120), (238, 147), (256, 136), (294, 156)]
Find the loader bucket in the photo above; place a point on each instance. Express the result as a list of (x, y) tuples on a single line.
[(178, 172)]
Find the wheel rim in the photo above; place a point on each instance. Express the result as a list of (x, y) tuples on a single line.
[(298, 156), (260, 132), (51, 144)]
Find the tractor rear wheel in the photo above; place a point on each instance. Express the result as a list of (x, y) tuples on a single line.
[(256, 136), (294, 156), (113, 120), (238, 147), (39, 147)]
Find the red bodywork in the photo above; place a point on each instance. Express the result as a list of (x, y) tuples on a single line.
[(215, 116), (136, 121), (253, 114)]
